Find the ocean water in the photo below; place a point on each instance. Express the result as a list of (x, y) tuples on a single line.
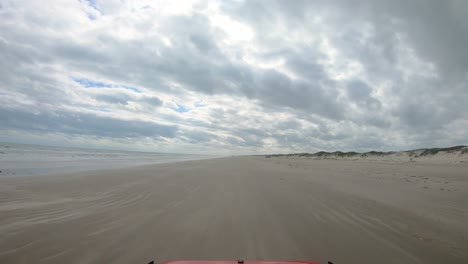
[(19, 159)]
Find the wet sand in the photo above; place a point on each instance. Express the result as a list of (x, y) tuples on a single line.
[(252, 208)]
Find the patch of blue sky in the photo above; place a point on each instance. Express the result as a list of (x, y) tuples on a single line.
[(180, 108), (95, 84), (136, 90), (92, 84), (92, 3)]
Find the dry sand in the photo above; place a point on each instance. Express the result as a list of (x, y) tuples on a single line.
[(240, 207)]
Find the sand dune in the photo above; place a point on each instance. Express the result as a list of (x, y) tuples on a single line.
[(451, 155), (242, 207)]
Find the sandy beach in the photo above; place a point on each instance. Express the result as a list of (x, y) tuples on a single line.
[(248, 207)]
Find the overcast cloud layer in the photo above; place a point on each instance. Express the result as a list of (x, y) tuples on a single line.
[(235, 76)]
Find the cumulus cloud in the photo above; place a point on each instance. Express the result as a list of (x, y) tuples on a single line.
[(84, 124), (236, 76)]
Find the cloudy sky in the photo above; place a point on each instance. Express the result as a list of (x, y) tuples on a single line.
[(235, 77)]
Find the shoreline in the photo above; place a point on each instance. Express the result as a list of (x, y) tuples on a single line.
[(22, 160)]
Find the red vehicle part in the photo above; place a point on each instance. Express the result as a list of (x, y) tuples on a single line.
[(239, 262)]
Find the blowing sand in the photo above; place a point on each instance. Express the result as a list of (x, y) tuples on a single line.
[(240, 207)]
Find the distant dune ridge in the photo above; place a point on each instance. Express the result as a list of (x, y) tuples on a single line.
[(456, 154)]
